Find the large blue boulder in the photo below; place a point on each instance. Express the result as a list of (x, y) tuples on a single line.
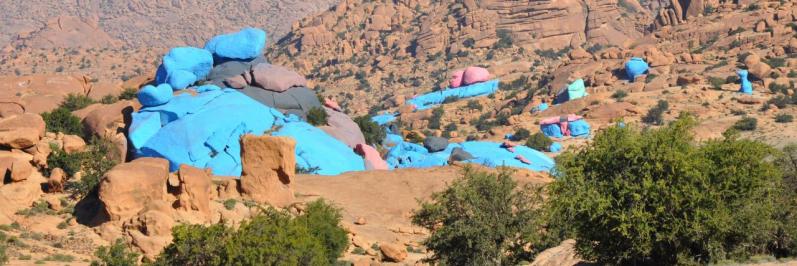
[(201, 130), (635, 68), (318, 152), (184, 66), (155, 95), (245, 44)]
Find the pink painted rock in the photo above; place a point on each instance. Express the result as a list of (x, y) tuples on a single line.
[(522, 159), (373, 161), (456, 79), (330, 103), (276, 78), (558, 119), (475, 75), (343, 128)]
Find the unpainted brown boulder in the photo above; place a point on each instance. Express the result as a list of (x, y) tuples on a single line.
[(269, 167)]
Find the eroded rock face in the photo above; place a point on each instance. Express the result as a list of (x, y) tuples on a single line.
[(127, 187), (269, 166), (195, 189), (21, 131)]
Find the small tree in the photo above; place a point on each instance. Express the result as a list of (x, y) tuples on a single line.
[(505, 39), (373, 133), (654, 197), (270, 238), (62, 120), (74, 102), (655, 114), (539, 141), (746, 124), (317, 116), (521, 134), (481, 219), (116, 254)]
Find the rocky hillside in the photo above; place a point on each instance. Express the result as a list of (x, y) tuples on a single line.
[(137, 23), (409, 45)]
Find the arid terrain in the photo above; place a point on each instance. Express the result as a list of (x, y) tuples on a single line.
[(371, 58)]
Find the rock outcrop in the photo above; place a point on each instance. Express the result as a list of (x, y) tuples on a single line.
[(269, 166)]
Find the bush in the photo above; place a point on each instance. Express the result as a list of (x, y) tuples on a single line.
[(655, 197), (481, 219), (505, 39), (115, 255), (317, 116), (373, 133), (655, 114), (539, 141), (70, 163), (784, 118), (62, 120), (128, 94), (475, 105), (271, 238), (437, 114), (746, 124), (785, 244), (3, 256), (100, 156), (322, 220), (619, 95), (74, 102), (108, 99), (716, 82), (521, 134)]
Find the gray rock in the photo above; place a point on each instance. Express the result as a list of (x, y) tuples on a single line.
[(435, 144), (458, 154)]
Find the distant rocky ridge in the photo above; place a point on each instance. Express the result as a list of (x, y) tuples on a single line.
[(138, 23)]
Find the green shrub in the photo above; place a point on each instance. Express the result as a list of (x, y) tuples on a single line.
[(481, 219), (128, 94), (109, 99), (619, 95), (437, 114), (784, 118), (62, 120), (74, 102), (505, 39), (373, 133), (229, 204), (655, 114), (3, 255), (521, 134), (116, 254), (475, 105), (100, 156), (317, 116), (716, 82), (271, 238), (785, 244), (746, 124), (539, 141), (655, 197), (70, 163), (322, 220), (778, 88), (413, 137), (775, 62)]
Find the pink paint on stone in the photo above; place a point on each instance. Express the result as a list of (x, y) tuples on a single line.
[(373, 161), (456, 79), (474, 75)]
